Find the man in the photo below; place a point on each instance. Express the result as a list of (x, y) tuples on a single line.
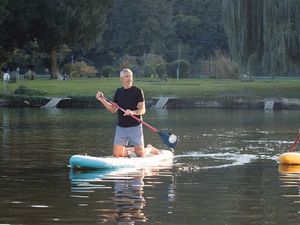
[(128, 131), (6, 78)]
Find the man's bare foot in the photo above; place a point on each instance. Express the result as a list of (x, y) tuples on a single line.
[(154, 150)]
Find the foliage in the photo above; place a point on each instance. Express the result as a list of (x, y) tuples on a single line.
[(79, 70), (264, 35), (132, 62), (64, 51), (161, 69), (181, 65), (140, 27), (3, 11), (150, 62), (107, 71), (23, 90), (136, 27), (148, 70), (225, 67), (53, 23), (25, 100)]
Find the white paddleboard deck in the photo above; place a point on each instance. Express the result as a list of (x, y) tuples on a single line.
[(165, 158)]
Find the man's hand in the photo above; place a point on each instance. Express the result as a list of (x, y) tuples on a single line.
[(128, 112), (99, 95)]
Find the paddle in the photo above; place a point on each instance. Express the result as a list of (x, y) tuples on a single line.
[(294, 145), (167, 138)]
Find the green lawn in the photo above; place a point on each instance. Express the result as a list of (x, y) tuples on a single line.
[(153, 87)]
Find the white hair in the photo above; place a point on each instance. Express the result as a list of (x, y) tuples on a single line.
[(126, 70)]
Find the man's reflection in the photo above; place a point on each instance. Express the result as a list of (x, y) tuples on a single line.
[(128, 198), (128, 192)]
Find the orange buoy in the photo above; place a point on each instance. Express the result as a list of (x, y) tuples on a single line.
[(289, 158), (288, 169)]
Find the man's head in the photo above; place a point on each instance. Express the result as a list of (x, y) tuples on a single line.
[(126, 77)]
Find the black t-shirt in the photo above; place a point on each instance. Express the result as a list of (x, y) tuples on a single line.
[(128, 99)]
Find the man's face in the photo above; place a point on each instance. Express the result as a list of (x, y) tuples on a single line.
[(126, 79)]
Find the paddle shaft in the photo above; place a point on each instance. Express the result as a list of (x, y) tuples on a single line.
[(153, 129), (294, 145)]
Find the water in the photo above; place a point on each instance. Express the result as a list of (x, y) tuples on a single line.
[(224, 172)]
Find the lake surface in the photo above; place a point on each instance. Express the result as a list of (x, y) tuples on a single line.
[(224, 172)]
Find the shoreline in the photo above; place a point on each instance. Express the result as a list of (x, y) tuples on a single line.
[(231, 102)]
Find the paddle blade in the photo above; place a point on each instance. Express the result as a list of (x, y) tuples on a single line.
[(168, 139)]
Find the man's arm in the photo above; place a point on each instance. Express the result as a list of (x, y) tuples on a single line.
[(110, 107), (141, 109)]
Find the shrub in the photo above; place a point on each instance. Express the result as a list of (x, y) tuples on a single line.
[(183, 68), (226, 68), (148, 71), (23, 90), (79, 70), (107, 71), (161, 69)]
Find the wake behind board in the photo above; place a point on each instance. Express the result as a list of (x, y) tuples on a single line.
[(165, 158)]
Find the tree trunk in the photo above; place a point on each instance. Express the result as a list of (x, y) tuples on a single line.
[(54, 69)]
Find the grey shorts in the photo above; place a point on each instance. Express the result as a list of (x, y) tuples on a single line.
[(129, 136)]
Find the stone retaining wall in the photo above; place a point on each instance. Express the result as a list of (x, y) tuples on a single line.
[(220, 102)]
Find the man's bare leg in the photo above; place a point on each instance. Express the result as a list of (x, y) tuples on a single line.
[(153, 150), (149, 150), (139, 151), (120, 151)]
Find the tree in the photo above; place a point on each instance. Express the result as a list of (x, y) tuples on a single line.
[(15, 22), (199, 27), (76, 23), (53, 23), (138, 27), (3, 15), (3, 11), (264, 35)]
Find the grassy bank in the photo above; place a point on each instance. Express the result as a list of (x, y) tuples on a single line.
[(195, 88)]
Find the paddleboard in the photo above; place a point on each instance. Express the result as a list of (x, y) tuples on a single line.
[(289, 158), (165, 158)]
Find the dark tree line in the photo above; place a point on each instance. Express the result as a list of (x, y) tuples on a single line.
[(139, 27), (262, 37), (43, 29)]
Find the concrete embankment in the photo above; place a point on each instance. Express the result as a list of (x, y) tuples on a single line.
[(209, 102), (234, 103)]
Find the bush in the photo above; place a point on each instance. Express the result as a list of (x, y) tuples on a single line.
[(148, 71), (23, 90), (29, 75), (226, 68), (107, 71), (183, 68), (161, 69), (79, 70)]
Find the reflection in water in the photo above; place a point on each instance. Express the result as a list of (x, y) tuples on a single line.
[(289, 169), (5, 134), (290, 178), (128, 191)]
